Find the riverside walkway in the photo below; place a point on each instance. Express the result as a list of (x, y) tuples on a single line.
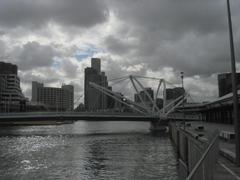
[(225, 169)]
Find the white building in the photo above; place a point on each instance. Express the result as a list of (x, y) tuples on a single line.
[(55, 99)]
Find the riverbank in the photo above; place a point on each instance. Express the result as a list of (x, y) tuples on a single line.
[(200, 133)]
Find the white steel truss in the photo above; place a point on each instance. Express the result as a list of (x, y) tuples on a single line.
[(143, 108)]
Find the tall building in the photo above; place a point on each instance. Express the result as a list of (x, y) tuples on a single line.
[(8, 68), (118, 106), (55, 99), (159, 102), (142, 95), (225, 83), (35, 87), (93, 98), (96, 64), (174, 93), (11, 96)]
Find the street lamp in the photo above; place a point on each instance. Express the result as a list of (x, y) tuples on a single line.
[(234, 87), (182, 76)]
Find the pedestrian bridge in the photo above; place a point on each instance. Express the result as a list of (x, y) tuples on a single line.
[(85, 116), (76, 116), (140, 111)]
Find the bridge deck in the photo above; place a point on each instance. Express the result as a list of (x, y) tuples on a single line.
[(74, 117)]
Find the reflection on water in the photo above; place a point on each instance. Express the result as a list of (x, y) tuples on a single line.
[(87, 151)]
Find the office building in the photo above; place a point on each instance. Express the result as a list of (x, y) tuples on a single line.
[(93, 98), (8, 68), (55, 99), (142, 96), (159, 103), (11, 96), (174, 93), (225, 83), (96, 64)]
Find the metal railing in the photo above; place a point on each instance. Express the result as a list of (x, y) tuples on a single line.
[(66, 112), (204, 168)]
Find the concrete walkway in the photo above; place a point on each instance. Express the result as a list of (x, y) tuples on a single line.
[(226, 169)]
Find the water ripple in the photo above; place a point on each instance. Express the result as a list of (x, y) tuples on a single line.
[(108, 152)]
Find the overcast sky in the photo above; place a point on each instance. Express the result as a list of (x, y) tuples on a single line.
[(52, 41)]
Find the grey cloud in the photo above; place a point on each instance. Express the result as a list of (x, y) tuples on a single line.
[(117, 45), (187, 35), (190, 36), (2, 32), (175, 16), (69, 68), (34, 55), (202, 87), (194, 55), (45, 75), (35, 14), (2, 50), (28, 92)]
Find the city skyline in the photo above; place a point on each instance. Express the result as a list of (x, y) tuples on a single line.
[(120, 89), (133, 37)]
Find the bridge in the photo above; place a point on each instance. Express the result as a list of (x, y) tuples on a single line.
[(75, 116), (141, 111)]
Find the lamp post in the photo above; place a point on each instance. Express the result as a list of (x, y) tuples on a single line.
[(234, 87), (184, 123)]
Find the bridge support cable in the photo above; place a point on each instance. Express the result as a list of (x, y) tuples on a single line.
[(144, 77), (138, 93), (118, 98), (158, 88), (124, 77), (148, 95), (183, 97), (118, 80), (170, 104), (164, 96), (161, 82), (164, 88), (143, 107)]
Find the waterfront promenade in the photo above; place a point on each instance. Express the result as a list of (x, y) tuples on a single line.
[(225, 169)]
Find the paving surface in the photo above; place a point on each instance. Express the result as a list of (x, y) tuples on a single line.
[(225, 169)]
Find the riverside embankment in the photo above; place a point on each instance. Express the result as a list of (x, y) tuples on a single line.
[(204, 150)]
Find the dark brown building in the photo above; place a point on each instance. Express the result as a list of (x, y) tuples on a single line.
[(11, 96), (225, 83), (93, 98)]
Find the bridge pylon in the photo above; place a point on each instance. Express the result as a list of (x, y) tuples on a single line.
[(142, 107)]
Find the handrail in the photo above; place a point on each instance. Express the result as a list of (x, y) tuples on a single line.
[(194, 170)]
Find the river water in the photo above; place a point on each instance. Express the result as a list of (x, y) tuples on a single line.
[(86, 151)]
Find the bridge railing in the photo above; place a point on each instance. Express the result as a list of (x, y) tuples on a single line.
[(28, 113), (180, 116), (67, 113)]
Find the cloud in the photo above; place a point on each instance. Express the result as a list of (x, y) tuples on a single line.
[(202, 87), (89, 51), (2, 50), (34, 55), (69, 67), (46, 75), (35, 14), (118, 46), (190, 36), (53, 40), (173, 17)]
